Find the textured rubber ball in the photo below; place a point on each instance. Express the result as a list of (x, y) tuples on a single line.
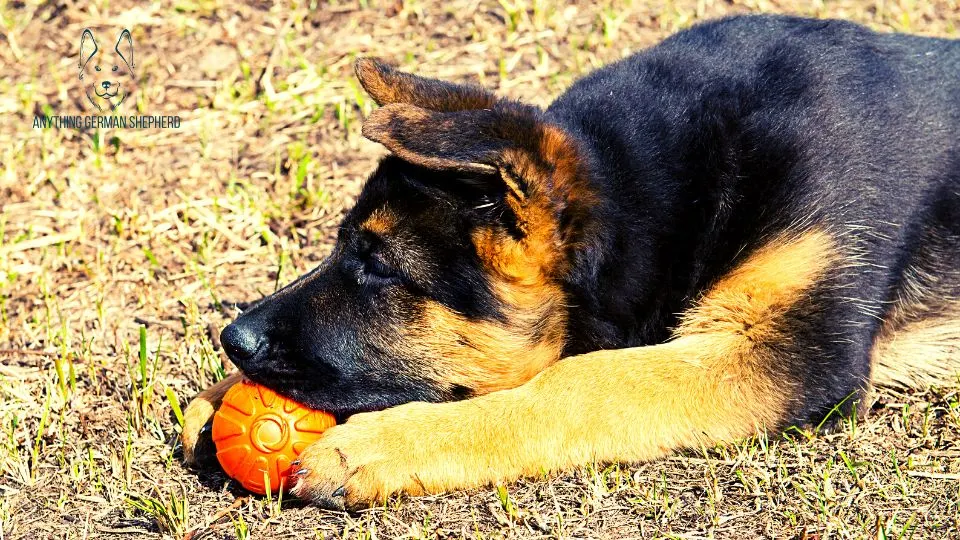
[(259, 434)]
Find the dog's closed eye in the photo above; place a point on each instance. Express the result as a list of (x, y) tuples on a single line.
[(376, 267)]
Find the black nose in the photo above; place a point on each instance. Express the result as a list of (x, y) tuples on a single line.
[(105, 84), (240, 341)]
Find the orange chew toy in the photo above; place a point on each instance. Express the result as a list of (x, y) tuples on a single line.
[(259, 433)]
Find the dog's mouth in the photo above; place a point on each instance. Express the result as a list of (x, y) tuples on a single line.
[(283, 385), (331, 400), (109, 92)]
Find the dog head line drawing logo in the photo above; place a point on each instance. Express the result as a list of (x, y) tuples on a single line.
[(107, 75)]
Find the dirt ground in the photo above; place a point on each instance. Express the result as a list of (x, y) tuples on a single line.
[(124, 251)]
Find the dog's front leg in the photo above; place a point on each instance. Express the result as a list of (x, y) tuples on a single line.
[(632, 404)]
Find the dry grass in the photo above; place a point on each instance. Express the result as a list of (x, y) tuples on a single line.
[(122, 253)]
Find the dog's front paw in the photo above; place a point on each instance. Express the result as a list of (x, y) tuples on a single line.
[(363, 461)]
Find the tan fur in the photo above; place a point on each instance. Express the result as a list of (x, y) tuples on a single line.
[(200, 411), (748, 301), (918, 345), (539, 255), (563, 179), (570, 182), (919, 353), (487, 356), (526, 262), (714, 382), (380, 222)]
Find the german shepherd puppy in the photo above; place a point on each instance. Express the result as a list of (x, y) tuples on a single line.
[(742, 228)]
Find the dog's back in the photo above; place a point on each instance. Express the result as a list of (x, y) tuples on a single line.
[(740, 130)]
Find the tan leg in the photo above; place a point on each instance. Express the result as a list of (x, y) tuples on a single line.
[(630, 405), (200, 411)]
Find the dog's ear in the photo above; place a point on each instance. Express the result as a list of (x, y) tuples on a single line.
[(462, 141), (88, 48), (125, 48), (539, 164), (387, 85)]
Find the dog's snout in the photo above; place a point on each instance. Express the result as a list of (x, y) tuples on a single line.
[(241, 342)]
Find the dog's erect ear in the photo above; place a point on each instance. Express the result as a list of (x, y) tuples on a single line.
[(387, 85), (88, 47), (125, 48)]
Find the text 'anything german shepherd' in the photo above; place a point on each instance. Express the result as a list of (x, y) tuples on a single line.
[(738, 229)]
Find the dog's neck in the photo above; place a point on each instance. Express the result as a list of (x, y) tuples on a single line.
[(661, 216)]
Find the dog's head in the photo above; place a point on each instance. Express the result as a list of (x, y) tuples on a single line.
[(107, 74), (448, 276)]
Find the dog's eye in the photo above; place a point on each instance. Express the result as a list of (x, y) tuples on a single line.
[(114, 68), (375, 267), (98, 68)]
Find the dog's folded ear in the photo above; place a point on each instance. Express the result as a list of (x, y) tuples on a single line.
[(387, 85), (467, 130), (540, 165), (462, 141), (88, 47)]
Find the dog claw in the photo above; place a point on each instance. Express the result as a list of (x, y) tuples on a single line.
[(295, 463), (301, 472), (339, 492)]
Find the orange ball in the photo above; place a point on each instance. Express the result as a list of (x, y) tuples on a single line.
[(259, 433)]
